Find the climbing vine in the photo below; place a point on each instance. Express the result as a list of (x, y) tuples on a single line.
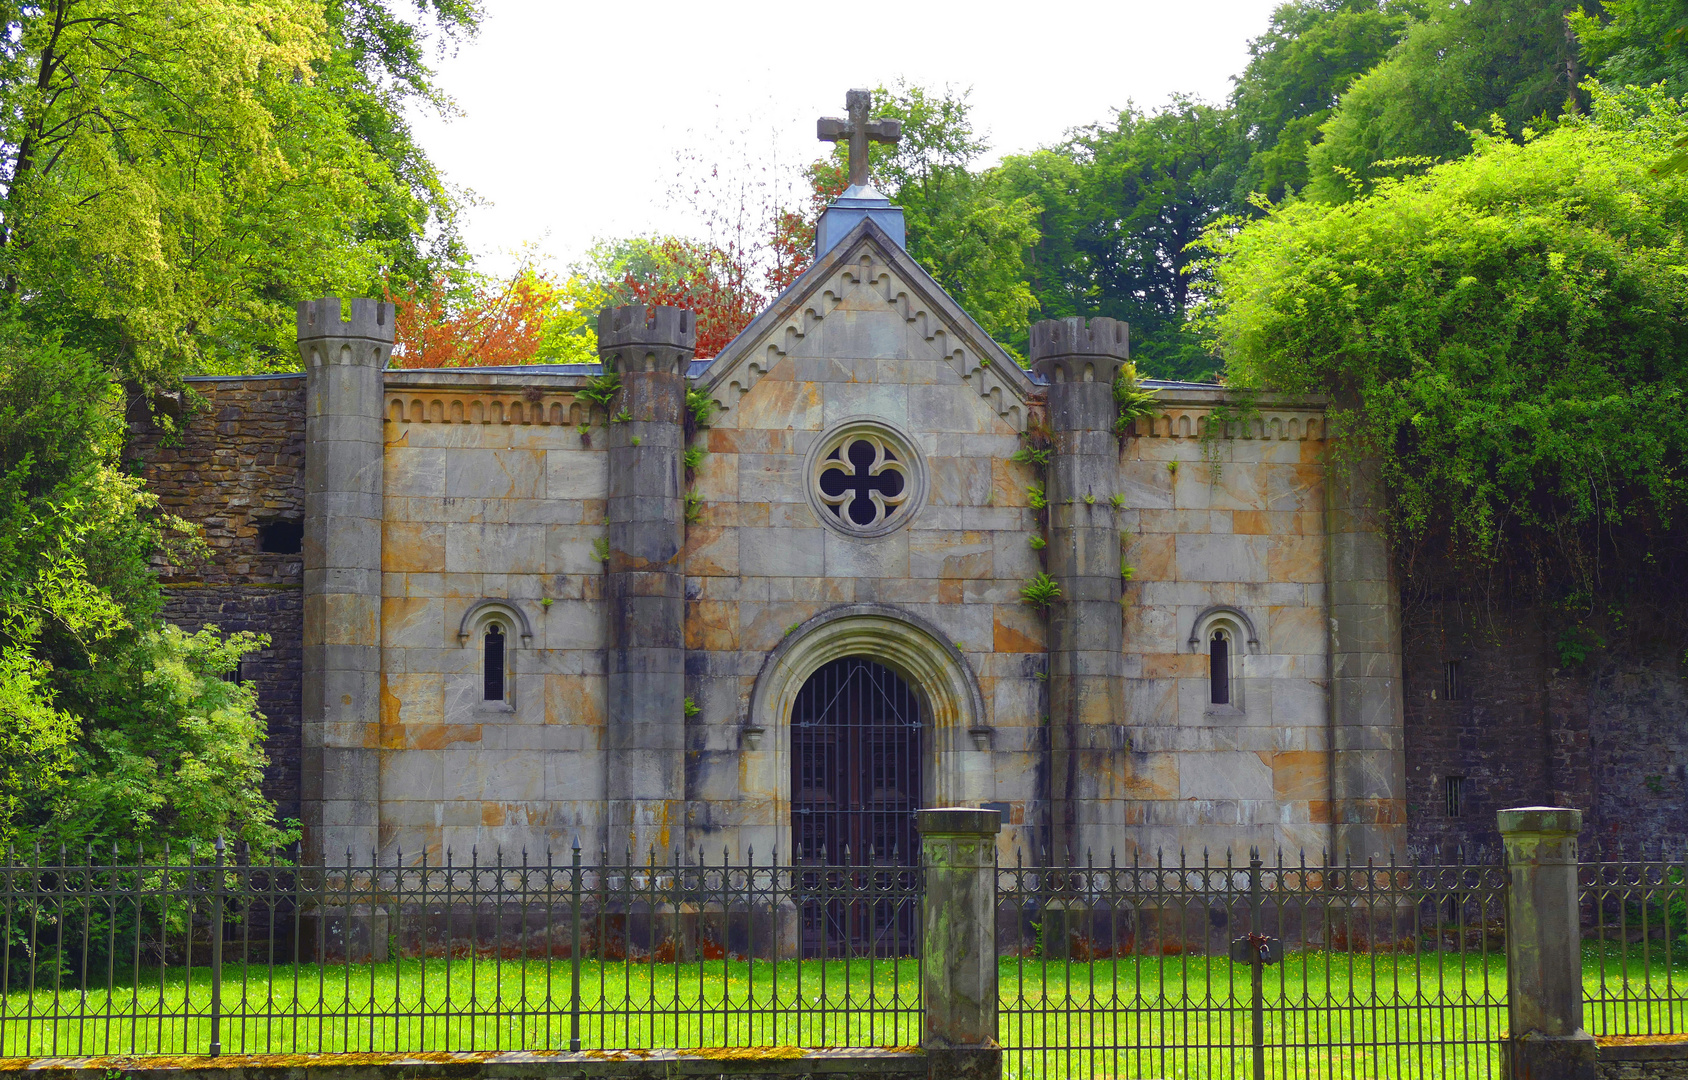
[(1506, 337)]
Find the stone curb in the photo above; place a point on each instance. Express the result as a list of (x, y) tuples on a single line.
[(619, 1064), (1644, 1048)]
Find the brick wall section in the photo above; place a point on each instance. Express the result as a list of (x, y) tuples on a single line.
[(238, 463), (1608, 738), (1494, 735)]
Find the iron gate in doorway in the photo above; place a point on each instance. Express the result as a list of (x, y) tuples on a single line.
[(856, 761)]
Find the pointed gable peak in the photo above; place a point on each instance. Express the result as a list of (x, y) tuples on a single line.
[(867, 266)]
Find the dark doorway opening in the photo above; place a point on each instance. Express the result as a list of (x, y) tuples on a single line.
[(856, 764)]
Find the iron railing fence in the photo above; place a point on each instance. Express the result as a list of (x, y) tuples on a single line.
[(1635, 943), (193, 956), (1224, 970)]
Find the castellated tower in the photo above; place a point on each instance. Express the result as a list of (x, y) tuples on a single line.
[(1086, 631), (343, 360), (650, 349)]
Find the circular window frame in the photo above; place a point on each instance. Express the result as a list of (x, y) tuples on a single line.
[(909, 456)]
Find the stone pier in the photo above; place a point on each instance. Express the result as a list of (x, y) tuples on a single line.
[(343, 358), (1367, 714), (1086, 629), (649, 348), (1544, 989)]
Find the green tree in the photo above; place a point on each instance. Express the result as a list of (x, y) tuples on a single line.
[(964, 227), (1297, 73), (112, 727), (1507, 334), (1120, 205), (1638, 43), (1460, 64), (377, 70), (176, 174)]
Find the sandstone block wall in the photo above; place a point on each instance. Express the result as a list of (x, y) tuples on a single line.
[(1236, 521), (491, 493)]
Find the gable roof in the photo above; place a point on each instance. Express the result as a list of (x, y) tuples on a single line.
[(867, 256)]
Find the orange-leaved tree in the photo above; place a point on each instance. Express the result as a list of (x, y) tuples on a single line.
[(490, 323)]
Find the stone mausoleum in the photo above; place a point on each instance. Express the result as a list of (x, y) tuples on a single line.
[(506, 616)]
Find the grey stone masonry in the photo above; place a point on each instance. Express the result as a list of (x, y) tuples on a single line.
[(1086, 627), (1367, 713), (958, 942), (1544, 947), (645, 722), (343, 360)]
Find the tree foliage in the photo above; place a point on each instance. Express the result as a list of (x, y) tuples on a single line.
[(1119, 206), (1505, 333), (1455, 68), (174, 175), (112, 727), (1637, 43), (1298, 70)]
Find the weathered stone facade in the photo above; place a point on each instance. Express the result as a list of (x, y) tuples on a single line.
[(647, 664), (236, 467)]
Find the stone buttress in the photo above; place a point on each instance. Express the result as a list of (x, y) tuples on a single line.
[(1367, 715), (649, 349), (1086, 630), (343, 360)]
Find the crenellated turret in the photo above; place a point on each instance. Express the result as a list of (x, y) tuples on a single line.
[(340, 770), (1086, 631), (650, 349)]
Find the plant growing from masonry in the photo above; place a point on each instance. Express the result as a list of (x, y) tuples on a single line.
[(1131, 401), (700, 408), (1041, 591), (600, 390), (601, 549)]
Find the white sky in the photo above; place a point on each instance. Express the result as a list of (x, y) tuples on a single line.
[(575, 115)]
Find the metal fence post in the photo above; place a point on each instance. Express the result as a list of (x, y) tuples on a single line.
[(217, 955), (1544, 947), (574, 951), (958, 963), (1257, 967)]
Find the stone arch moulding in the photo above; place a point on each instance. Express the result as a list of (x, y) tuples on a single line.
[(481, 610), (1222, 614), (909, 645)]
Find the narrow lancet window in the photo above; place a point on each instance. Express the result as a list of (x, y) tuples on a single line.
[(1451, 688), (1453, 792), (1219, 668), (494, 664)]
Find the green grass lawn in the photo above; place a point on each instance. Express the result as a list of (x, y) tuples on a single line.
[(1325, 1014)]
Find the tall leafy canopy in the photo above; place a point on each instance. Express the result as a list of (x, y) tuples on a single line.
[(175, 174), (1506, 333), (963, 226), (113, 728), (1298, 70), (1452, 70), (1119, 206), (1638, 43)]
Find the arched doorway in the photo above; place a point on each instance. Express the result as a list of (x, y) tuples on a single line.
[(856, 766), (856, 769)]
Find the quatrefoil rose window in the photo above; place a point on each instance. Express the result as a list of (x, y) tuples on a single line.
[(865, 479)]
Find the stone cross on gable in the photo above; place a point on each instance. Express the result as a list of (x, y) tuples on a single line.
[(858, 131)]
